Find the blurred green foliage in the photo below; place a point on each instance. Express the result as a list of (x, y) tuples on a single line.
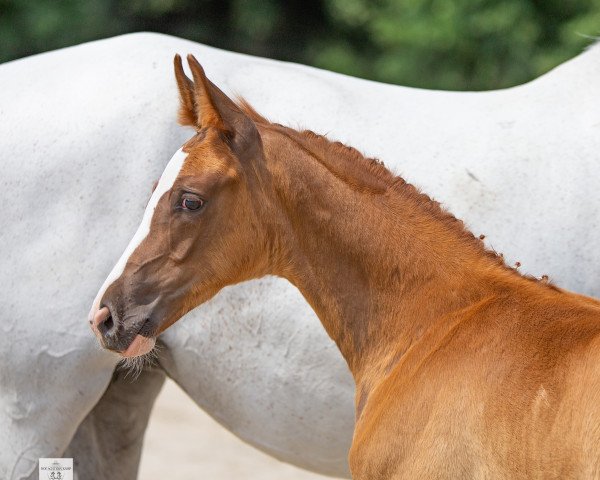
[(446, 44)]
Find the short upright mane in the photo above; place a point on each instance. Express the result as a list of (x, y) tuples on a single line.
[(371, 175), (346, 163)]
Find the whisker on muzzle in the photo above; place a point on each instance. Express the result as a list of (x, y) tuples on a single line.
[(134, 366)]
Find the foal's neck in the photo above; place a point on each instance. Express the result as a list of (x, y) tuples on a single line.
[(379, 262)]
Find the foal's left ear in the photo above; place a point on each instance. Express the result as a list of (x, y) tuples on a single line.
[(204, 105)]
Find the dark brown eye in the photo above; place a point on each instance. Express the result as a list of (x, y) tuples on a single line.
[(191, 202)]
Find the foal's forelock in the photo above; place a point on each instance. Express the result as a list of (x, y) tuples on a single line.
[(165, 184)]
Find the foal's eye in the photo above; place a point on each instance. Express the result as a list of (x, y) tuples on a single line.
[(191, 202)]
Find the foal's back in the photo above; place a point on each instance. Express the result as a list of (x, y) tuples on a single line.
[(510, 389)]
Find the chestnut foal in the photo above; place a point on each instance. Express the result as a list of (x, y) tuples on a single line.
[(463, 367)]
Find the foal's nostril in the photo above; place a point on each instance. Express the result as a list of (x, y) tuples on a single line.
[(111, 330), (106, 326), (104, 323)]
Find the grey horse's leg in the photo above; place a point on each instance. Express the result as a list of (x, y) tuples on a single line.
[(108, 443)]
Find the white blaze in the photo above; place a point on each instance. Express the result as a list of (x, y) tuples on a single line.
[(167, 179)]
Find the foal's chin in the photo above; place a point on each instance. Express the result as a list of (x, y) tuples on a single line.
[(139, 346)]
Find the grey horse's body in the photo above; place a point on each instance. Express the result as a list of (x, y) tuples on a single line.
[(85, 131)]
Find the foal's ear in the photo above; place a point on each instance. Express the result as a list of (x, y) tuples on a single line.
[(187, 104), (205, 105), (197, 108)]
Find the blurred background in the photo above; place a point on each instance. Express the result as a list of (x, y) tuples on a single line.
[(442, 44)]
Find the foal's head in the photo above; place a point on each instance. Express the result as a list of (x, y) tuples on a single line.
[(201, 229)]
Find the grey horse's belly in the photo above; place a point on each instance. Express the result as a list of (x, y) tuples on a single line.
[(257, 359)]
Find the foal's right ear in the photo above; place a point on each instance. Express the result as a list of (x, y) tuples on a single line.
[(187, 103)]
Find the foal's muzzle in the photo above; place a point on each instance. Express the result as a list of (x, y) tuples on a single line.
[(114, 335)]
